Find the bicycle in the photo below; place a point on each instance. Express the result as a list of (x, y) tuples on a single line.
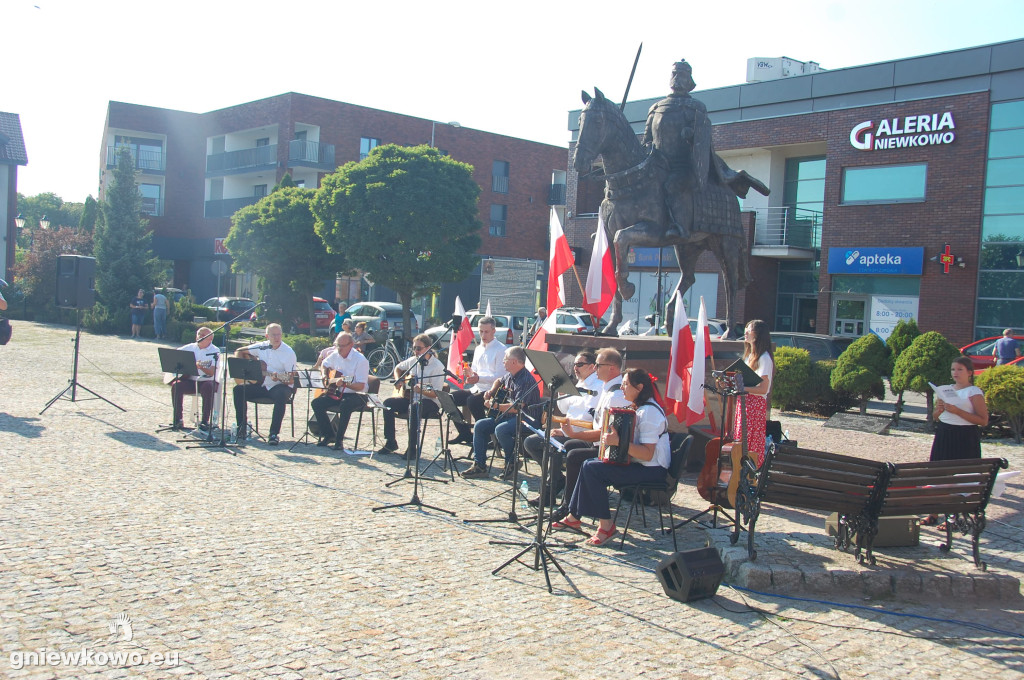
[(384, 359)]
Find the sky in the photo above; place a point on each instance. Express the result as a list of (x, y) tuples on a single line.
[(514, 68)]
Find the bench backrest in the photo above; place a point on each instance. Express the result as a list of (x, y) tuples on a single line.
[(817, 480), (940, 487)]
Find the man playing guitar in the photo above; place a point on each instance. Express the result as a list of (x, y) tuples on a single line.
[(423, 393), (488, 366), (345, 373), (205, 383), (278, 360), (521, 387)]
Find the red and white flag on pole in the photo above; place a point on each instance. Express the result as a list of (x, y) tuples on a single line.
[(462, 337), (685, 395), (487, 312), (539, 339), (559, 260), (601, 284)]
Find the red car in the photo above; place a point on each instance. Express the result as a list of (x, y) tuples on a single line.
[(980, 351), (324, 314)]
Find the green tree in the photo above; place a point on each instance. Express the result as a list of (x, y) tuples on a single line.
[(900, 338), (926, 360), (405, 216), (90, 213), (860, 368), (36, 272), (1004, 395), (122, 243), (275, 239)]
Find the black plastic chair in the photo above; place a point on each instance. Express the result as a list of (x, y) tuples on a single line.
[(667, 487), (290, 403)]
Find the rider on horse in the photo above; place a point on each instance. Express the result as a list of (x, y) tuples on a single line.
[(679, 129)]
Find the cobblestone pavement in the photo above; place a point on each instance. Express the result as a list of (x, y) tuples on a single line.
[(271, 563)]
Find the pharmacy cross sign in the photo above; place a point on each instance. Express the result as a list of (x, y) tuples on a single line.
[(946, 259)]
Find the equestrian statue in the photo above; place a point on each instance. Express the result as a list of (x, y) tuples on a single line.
[(670, 190)]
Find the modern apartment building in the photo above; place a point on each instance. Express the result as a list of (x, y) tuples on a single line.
[(196, 169), (897, 191)]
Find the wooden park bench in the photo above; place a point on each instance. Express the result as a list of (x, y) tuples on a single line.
[(958, 489), (861, 491), (247, 336)]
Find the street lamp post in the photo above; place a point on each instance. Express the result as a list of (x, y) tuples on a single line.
[(433, 126)]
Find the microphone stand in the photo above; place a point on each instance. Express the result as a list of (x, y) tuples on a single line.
[(415, 422), (223, 443)]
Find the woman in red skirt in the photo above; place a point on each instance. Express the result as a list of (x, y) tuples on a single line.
[(757, 355)]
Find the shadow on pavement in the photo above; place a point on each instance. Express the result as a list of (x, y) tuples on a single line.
[(26, 427)]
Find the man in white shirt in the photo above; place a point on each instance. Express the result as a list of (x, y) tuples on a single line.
[(280, 361), (345, 373), (205, 383), (488, 366), (427, 380)]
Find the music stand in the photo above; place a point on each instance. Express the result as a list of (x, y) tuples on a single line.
[(310, 380), (182, 363), (449, 409), (557, 382), (246, 370)]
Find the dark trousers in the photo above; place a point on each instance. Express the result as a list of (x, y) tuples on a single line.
[(574, 461), (344, 407), (399, 407), (246, 393), (590, 497), (475, 401), (534, 445), (207, 390)]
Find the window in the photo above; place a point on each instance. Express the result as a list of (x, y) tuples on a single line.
[(366, 145), (499, 215), (300, 135), (884, 183), (499, 177), (148, 154), (259, 190), (150, 199), (263, 141)]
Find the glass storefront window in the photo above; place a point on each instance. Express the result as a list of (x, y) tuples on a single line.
[(1001, 313), (1008, 115), (1001, 256), (1003, 228), (1005, 143), (1003, 200), (884, 183), (877, 285), (1000, 284), (1005, 172)]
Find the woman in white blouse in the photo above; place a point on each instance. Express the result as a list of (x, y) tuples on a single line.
[(649, 455)]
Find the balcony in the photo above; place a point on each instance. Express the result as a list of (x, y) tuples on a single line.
[(787, 233), (226, 207), (310, 155), (556, 194), (145, 161), (499, 184), (154, 207), (242, 160)]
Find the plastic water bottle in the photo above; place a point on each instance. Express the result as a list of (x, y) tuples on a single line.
[(234, 433), (437, 446), (524, 489)]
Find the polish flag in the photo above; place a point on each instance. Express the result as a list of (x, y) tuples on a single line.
[(539, 339), (559, 260), (684, 396), (601, 284), (487, 312), (462, 337)]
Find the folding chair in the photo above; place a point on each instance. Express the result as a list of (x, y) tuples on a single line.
[(667, 487)]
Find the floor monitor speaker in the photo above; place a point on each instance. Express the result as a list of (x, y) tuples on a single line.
[(692, 574)]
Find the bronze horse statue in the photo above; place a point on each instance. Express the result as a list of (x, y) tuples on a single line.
[(635, 211)]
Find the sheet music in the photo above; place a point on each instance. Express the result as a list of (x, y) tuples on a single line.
[(311, 379), (947, 393), (554, 443)]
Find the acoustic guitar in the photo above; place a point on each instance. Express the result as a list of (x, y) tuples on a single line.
[(719, 479), (283, 378), (332, 383), (500, 397)]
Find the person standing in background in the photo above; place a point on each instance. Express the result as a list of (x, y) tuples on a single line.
[(1006, 348), (138, 309), (160, 309)]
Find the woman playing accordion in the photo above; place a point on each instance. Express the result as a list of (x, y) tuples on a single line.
[(648, 455)]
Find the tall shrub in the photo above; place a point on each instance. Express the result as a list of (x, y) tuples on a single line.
[(901, 337), (860, 368), (926, 360), (1004, 394), (792, 374)]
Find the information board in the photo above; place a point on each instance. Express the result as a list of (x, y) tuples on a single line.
[(888, 310), (510, 285)]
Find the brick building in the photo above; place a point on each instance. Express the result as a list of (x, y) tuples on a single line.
[(874, 170), (12, 154), (196, 169)]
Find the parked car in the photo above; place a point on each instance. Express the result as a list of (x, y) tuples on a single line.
[(324, 314), (1019, 361), (980, 351), (173, 294), (382, 316), (820, 347), (574, 320), (227, 308), (716, 328), (508, 328)]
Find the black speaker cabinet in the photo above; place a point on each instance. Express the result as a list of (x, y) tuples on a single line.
[(314, 426), (76, 281), (691, 575)]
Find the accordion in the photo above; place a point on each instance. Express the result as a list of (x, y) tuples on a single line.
[(621, 421)]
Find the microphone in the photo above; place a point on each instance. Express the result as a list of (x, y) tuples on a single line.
[(265, 345), (212, 354), (451, 375)]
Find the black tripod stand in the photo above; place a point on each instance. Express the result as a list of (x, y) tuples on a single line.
[(451, 411), (73, 384), (310, 380), (557, 381), (412, 470), (512, 517)]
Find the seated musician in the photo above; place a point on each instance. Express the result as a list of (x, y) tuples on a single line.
[(649, 455), (609, 372), (362, 338), (278, 361), (427, 379), (488, 366), (205, 383), (576, 409), (345, 373), (521, 387)]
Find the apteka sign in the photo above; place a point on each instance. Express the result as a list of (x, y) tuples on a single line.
[(897, 133)]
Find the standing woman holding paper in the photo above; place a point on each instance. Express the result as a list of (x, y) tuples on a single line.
[(958, 422), (757, 355)]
